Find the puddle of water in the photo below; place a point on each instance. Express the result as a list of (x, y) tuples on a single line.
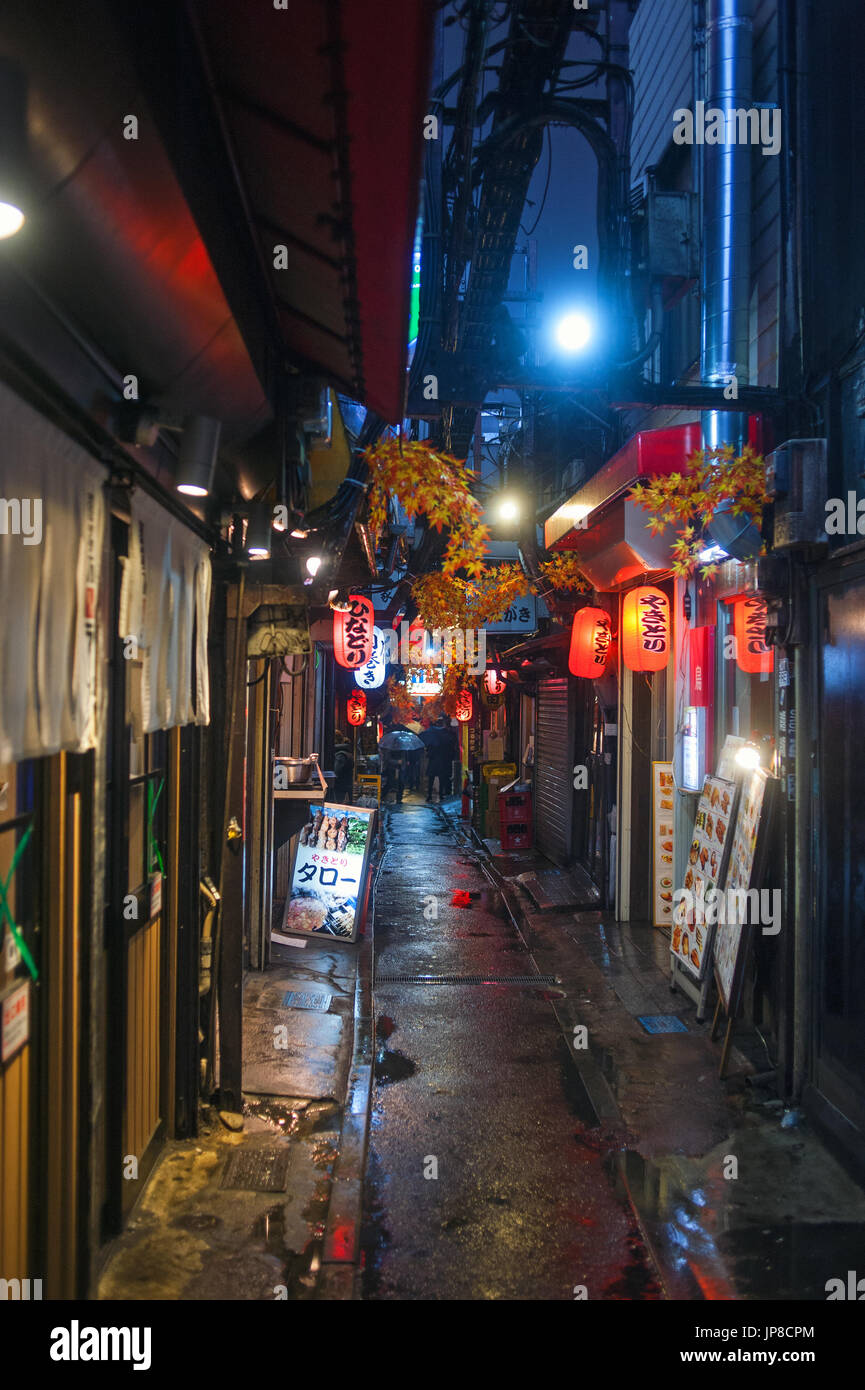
[(393, 1066)]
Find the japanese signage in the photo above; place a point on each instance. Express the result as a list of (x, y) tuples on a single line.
[(329, 881), (740, 874), (702, 667), (465, 706), (749, 624), (663, 842), (353, 639), (372, 674), (693, 924), (355, 707), (16, 1020), (646, 630), (591, 636), (522, 616)]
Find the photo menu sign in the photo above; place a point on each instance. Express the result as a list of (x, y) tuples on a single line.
[(740, 876), (707, 858), (329, 882), (663, 843)]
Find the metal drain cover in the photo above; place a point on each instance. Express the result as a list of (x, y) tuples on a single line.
[(662, 1023), (257, 1170), (467, 980), (306, 999)]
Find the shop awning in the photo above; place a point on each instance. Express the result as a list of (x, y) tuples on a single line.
[(605, 526)]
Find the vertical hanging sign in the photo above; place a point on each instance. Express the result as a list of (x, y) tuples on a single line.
[(353, 637)]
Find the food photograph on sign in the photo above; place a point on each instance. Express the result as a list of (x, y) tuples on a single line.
[(692, 932), (329, 876), (663, 791), (740, 872)]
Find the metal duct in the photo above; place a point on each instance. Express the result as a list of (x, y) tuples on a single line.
[(727, 244)]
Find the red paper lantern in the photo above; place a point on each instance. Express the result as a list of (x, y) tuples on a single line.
[(646, 629), (465, 706), (495, 681), (591, 636), (749, 624), (355, 707), (353, 637)]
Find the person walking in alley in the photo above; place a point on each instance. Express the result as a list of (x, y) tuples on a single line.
[(442, 750), (343, 766)]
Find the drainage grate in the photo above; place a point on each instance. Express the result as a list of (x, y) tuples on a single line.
[(305, 999), (257, 1170), (662, 1023), (467, 980)]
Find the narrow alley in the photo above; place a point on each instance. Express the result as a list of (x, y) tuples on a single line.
[(484, 1180), (432, 661)]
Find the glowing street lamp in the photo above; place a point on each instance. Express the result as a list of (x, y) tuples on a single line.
[(573, 332)]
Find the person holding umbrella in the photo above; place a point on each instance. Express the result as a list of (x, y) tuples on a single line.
[(442, 748), (394, 744)]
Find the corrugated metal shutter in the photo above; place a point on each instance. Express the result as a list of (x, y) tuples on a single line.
[(553, 777)]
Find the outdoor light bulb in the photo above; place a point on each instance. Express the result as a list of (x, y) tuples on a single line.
[(573, 332), (313, 564), (508, 509), (192, 490), (300, 535), (11, 219), (748, 757)]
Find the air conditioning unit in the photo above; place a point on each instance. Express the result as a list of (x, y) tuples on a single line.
[(665, 230), (796, 483)]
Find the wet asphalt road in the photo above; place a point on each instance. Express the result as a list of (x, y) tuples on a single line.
[(476, 1083)]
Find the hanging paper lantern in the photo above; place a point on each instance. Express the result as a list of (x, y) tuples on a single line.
[(353, 633), (495, 681), (591, 636), (371, 676), (465, 706), (749, 624), (646, 629), (355, 707)]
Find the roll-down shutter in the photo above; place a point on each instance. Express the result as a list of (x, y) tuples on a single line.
[(553, 776)]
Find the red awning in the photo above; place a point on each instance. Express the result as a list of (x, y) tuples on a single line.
[(324, 106)]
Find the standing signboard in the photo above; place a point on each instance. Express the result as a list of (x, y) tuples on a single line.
[(663, 843), (330, 876), (744, 875), (729, 939), (693, 923)]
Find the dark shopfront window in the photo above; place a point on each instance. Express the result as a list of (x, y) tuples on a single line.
[(746, 707), (147, 797)]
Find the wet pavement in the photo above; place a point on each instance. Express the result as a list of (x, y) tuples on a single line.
[(504, 1164), (489, 1175)]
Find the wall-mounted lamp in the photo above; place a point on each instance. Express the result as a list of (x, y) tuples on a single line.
[(197, 459), (258, 531), (13, 148)]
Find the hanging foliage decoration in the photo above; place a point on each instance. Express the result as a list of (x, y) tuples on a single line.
[(689, 500), (427, 482)]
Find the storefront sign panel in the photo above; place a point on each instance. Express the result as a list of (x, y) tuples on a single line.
[(663, 843), (328, 886), (693, 926)]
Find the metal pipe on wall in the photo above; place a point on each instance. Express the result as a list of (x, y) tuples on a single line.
[(726, 218)]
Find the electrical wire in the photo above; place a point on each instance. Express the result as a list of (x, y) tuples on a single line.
[(546, 186)]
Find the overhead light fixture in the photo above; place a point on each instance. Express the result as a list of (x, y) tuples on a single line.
[(313, 565), (507, 508), (197, 459), (573, 332), (13, 148), (749, 757), (258, 532), (300, 535)]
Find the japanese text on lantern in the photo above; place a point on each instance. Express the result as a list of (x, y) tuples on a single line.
[(353, 637)]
